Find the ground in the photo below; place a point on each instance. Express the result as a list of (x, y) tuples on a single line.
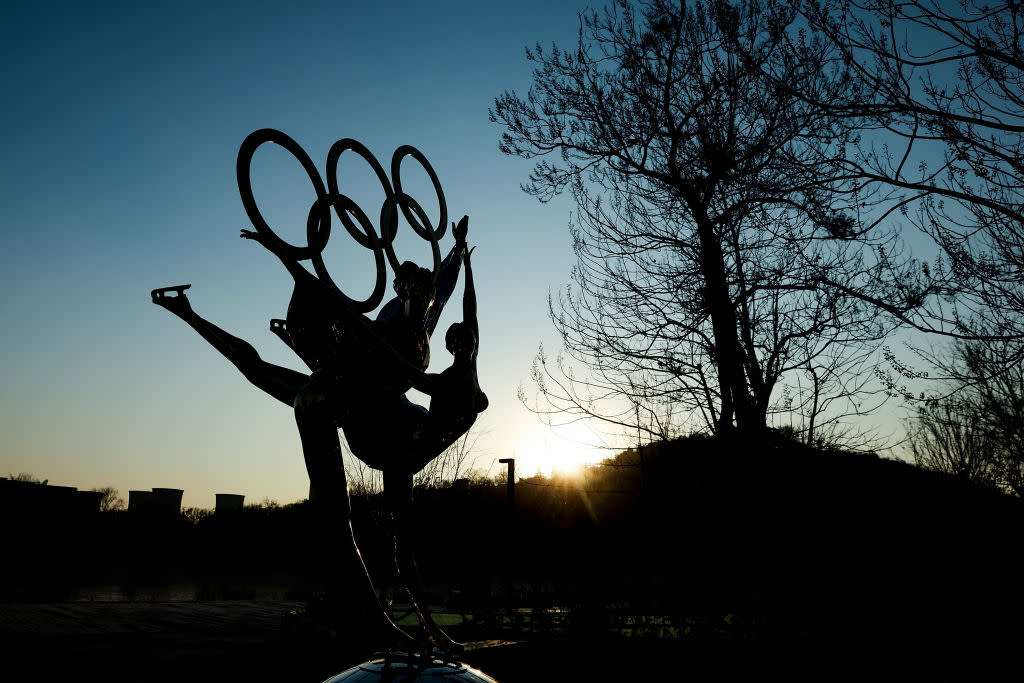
[(249, 641)]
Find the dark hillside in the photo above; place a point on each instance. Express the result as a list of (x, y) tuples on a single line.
[(776, 540), (831, 543)]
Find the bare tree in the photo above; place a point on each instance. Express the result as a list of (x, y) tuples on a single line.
[(995, 376), (946, 436), (454, 462), (716, 259), (985, 381), (362, 480), (110, 499), (940, 99)]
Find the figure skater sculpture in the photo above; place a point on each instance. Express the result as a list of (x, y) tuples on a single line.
[(362, 368)]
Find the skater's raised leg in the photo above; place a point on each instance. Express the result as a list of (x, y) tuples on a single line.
[(281, 383)]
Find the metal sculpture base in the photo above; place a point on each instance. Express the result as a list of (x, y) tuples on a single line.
[(411, 666)]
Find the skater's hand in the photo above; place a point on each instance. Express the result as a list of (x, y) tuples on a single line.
[(251, 235), (460, 230)]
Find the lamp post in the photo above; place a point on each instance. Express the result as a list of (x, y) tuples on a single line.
[(511, 462)]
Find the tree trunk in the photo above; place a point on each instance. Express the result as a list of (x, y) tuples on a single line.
[(732, 380)]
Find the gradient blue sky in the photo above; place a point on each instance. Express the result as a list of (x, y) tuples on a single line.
[(123, 121)]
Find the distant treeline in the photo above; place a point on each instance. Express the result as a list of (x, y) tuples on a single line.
[(784, 532)]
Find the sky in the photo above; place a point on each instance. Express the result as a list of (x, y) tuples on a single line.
[(123, 123)]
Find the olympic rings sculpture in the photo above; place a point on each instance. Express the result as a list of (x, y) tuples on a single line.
[(318, 222)]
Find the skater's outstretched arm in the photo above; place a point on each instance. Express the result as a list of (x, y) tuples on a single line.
[(338, 304), (292, 264), (449, 274), (469, 303)]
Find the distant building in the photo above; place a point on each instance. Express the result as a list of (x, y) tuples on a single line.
[(40, 499), (168, 500), (139, 501), (229, 502), (88, 502), (159, 501)]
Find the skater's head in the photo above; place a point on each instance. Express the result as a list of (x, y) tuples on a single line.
[(459, 339), (414, 284)]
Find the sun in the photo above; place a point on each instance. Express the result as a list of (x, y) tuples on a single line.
[(564, 448)]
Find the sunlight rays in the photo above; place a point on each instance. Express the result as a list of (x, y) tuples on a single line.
[(564, 449)]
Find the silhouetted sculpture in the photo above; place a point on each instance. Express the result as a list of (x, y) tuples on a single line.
[(362, 368)]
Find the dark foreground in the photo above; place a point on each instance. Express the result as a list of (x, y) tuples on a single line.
[(246, 641), (701, 563)]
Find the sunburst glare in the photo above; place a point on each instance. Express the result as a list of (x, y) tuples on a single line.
[(562, 449)]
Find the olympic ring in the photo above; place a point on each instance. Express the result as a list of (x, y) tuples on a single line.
[(243, 168), (320, 214), (389, 228), (411, 209), (318, 221), (423, 230)]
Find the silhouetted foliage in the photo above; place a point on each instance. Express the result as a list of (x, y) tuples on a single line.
[(977, 423), (947, 436), (716, 252), (941, 103), (110, 499), (454, 462), (196, 515)]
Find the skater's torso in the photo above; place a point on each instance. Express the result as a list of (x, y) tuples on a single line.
[(327, 337)]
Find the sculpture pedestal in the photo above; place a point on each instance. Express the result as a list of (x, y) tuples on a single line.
[(409, 667)]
